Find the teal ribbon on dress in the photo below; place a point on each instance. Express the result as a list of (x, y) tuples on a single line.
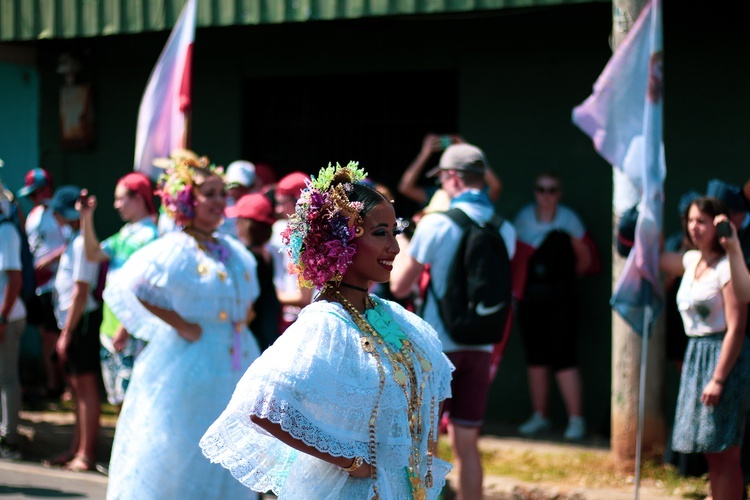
[(383, 323)]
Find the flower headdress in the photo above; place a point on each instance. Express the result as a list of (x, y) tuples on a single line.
[(176, 187), (319, 234)]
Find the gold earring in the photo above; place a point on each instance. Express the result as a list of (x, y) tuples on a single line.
[(358, 231)]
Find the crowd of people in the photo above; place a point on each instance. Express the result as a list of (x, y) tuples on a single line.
[(294, 331)]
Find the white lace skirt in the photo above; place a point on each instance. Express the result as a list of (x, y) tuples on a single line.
[(177, 390)]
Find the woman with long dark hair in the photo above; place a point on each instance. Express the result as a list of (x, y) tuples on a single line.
[(713, 400)]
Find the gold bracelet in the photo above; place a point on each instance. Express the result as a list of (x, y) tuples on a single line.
[(356, 464)]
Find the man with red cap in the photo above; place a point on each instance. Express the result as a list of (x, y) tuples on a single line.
[(135, 203), (291, 297), (239, 180), (254, 217), (265, 177), (47, 243)]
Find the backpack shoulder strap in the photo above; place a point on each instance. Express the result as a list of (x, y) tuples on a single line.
[(459, 217), (464, 221), (496, 221)]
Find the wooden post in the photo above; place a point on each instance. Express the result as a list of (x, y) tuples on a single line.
[(626, 343)]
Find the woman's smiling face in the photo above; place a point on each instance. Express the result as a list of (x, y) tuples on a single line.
[(701, 228), (211, 199), (376, 248)]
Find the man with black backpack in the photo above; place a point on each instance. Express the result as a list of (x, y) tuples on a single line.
[(46, 241), (12, 324), (468, 250)]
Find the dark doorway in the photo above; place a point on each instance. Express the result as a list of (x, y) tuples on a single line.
[(379, 120)]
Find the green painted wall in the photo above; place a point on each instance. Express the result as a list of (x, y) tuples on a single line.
[(19, 119), (519, 76)]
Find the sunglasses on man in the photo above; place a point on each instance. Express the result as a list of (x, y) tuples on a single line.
[(546, 189)]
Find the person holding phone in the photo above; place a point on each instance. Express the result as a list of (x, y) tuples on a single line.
[(727, 234), (431, 144), (78, 317), (713, 400), (134, 202), (736, 200)]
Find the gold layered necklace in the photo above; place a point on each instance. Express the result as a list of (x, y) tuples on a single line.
[(199, 235), (402, 362), (210, 247)]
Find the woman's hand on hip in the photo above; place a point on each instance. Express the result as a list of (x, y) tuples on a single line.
[(363, 471), (190, 332)]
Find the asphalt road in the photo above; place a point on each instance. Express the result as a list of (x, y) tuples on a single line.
[(26, 480), (49, 433)]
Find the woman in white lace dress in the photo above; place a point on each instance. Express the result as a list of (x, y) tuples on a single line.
[(345, 404), (188, 294)]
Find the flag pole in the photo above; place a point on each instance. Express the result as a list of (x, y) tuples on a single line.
[(188, 136), (647, 318)]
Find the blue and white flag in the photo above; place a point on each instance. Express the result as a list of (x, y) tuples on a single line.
[(624, 119)]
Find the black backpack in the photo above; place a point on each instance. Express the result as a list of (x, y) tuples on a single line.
[(28, 288), (477, 298)]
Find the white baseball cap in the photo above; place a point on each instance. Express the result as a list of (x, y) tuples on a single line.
[(240, 173)]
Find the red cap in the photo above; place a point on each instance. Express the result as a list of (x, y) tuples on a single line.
[(292, 184), (265, 174), (36, 178), (253, 206), (139, 183)]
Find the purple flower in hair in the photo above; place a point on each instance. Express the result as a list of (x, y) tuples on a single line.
[(340, 228), (186, 202)]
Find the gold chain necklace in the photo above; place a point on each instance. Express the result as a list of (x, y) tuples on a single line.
[(235, 351), (198, 235), (405, 375)]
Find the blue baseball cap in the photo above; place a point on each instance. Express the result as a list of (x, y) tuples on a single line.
[(686, 200), (64, 202), (730, 194)]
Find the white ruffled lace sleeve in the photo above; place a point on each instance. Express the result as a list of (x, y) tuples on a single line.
[(144, 277), (173, 273), (302, 384), (319, 385), (150, 287)]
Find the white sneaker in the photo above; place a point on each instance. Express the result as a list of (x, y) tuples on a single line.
[(576, 429), (536, 424)]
